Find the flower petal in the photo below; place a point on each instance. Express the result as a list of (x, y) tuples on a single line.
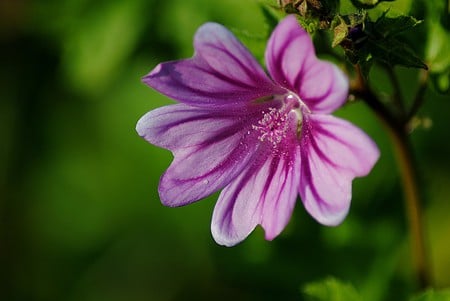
[(288, 50), (210, 149), (293, 64), (323, 87), (222, 73), (333, 152), (264, 194), (280, 197)]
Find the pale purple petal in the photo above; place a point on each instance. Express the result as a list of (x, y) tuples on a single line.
[(324, 87), (289, 50), (333, 152), (293, 64), (238, 209), (210, 149), (222, 73), (264, 194), (281, 196), (180, 126)]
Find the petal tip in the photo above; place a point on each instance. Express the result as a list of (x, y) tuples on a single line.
[(331, 217), (224, 240), (140, 128), (166, 193), (155, 70), (269, 236)]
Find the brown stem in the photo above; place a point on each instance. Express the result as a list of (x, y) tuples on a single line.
[(404, 156)]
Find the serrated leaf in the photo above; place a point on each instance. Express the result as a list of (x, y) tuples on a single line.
[(393, 52), (432, 295), (331, 289), (392, 26), (367, 4), (381, 43)]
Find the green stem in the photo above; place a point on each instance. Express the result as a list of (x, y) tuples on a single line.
[(409, 175)]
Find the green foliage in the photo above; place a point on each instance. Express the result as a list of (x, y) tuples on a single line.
[(272, 3), (270, 18), (389, 27), (367, 4), (331, 289), (433, 295), (367, 41), (393, 52), (384, 46), (437, 50)]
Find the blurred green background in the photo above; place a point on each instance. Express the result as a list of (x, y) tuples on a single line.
[(80, 217)]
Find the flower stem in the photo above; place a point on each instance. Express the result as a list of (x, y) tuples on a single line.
[(409, 178), (404, 155)]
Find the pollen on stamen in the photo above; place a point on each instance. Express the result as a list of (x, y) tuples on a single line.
[(273, 126)]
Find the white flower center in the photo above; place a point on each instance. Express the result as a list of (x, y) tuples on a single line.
[(274, 125)]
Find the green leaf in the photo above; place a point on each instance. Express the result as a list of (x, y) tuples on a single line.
[(367, 4), (331, 289), (390, 27), (393, 52), (380, 41), (432, 295)]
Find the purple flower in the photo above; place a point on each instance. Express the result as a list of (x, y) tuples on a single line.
[(263, 140)]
